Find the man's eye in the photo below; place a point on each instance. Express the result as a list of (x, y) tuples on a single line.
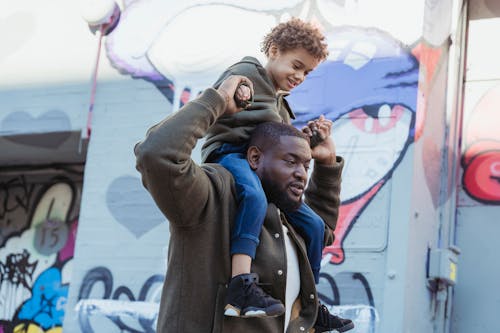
[(290, 162)]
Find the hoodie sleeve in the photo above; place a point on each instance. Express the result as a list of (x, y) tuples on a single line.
[(174, 180), (323, 192)]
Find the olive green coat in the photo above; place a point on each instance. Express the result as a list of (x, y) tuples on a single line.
[(200, 204)]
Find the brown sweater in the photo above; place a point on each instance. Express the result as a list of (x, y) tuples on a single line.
[(200, 204), (267, 105)]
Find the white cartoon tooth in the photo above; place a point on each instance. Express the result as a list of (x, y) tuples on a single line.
[(384, 114), (369, 124)]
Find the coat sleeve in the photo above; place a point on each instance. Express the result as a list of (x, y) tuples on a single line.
[(323, 193), (179, 186)]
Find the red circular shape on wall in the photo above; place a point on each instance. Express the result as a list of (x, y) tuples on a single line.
[(482, 177)]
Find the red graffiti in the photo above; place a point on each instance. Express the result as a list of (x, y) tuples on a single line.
[(429, 58), (347, 214), (481, 159)]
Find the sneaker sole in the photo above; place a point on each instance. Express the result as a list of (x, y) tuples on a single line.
[(342, 329), (231, 311), (271, 311), (345, 328)]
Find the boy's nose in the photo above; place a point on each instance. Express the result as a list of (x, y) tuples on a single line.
[(299, 77)]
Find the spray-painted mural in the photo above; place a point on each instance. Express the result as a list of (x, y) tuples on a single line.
[(98, 294), (374, 86), (369, 87), (481, 159), (38, 224)]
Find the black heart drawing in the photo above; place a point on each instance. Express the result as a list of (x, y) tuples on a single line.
[(17, 125), (132, 206)]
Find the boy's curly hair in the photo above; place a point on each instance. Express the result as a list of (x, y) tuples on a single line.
[(294, 34)]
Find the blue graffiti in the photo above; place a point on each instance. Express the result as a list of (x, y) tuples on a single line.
[(103, 276), (369, 67), (350, 295), (46, 306)]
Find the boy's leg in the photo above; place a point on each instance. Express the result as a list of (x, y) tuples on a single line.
[(244, 297), (252, 205), (240, 264), (312, 228)]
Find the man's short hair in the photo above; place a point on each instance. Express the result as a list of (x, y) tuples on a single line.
[(269, 133), (295, 34)]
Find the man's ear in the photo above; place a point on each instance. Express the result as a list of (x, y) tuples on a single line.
[(254, 157)]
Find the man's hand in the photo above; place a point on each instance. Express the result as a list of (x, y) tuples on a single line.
[(324, 152), (235, 86)]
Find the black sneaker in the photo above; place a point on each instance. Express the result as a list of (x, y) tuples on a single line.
[(326, 322), (245, 298)]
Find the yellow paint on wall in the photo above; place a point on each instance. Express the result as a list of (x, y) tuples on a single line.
[(32, 328), (453, 271)]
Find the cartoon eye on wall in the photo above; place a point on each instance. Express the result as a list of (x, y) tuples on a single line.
[(369, 88)]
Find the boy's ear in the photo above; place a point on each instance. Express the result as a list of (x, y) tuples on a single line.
[(254, 157), (273, 51)]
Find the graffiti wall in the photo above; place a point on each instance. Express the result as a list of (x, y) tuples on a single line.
[(38, 224), (374, 86), (383, 86), (478, 207)]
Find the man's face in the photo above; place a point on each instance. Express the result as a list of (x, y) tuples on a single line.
[(289, 68), (282, 170)]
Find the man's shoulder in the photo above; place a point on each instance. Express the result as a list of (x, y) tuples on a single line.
[(220, 176)]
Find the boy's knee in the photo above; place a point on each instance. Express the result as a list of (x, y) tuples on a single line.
[(318, 225), (256, 195)]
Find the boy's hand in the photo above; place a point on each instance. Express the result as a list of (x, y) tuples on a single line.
[(235, 86), (243, 96), (324, 152)]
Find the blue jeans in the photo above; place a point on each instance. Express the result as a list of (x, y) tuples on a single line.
[(252, 210)]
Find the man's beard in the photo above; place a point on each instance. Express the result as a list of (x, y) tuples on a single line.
[(278, 196)]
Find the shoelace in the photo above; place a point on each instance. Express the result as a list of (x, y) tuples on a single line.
[(324, 315), (254, 288)]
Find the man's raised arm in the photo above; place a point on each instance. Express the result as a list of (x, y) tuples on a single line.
[(323, 191), (175, 181)]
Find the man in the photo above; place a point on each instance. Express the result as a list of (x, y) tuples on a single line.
[(200, 202)]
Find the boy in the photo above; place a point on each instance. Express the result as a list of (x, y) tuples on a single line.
[(293, 49)]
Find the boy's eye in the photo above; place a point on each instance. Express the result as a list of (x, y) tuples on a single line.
[(290, 162)]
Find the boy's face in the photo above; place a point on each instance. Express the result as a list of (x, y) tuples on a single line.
[(288, 69)]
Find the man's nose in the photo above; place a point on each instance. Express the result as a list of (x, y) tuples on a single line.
[(301, 172)]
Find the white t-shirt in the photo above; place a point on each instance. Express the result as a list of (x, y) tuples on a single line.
[(292, 277)]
